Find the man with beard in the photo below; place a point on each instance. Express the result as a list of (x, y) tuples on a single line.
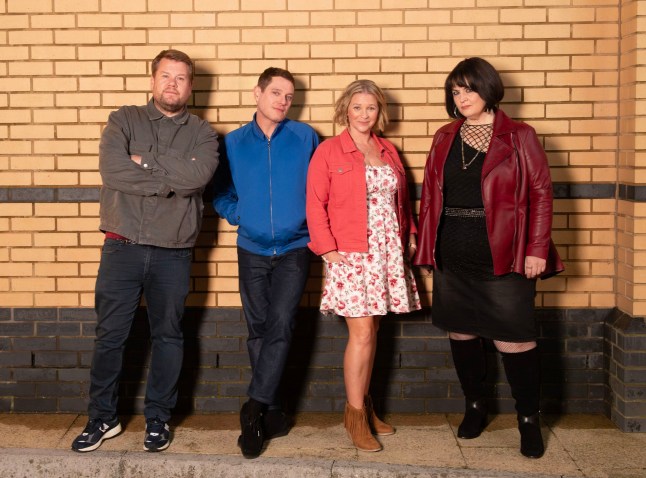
[(155, 161)]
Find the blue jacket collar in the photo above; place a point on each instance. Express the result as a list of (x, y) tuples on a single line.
[(258, 132)]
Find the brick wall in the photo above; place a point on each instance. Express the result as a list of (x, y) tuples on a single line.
[(572, 70)]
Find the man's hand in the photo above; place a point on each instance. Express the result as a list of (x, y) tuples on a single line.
[(136, 158)]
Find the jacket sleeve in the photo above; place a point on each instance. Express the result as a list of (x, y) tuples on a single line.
[(117, 170), (187, 173), (225, 197), (318, 195), (540, 194), (425, 229)]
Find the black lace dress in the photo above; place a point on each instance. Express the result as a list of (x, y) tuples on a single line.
[(467, 297)]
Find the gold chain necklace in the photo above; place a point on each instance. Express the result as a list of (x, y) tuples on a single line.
[(465, 165)]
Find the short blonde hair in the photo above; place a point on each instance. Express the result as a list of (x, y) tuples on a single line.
[(361, 86)]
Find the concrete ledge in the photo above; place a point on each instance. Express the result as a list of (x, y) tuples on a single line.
[(36, 463)]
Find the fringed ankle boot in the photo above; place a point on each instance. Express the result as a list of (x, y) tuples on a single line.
[(377, 426), (356, 424)]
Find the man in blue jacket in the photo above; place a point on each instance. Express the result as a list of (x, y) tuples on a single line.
[(261, 189)]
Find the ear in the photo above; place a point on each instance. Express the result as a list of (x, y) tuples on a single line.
[(256, 93)]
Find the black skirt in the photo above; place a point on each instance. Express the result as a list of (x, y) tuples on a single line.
[(501, 309)]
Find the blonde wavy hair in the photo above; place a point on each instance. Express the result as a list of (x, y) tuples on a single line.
[(361, 86)]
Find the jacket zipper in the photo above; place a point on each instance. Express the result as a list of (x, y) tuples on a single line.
[(271, 197), (513, 262)]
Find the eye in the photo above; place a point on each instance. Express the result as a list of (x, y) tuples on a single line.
[(468, 90), (289, 98)]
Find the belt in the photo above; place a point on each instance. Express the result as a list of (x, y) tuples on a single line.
[(464, 212)]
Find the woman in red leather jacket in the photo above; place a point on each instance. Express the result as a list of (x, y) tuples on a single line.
[(484, 228), (361, 224)]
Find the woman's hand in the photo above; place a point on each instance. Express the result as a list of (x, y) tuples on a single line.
[(335, 256), (534, 266), (412, 246)]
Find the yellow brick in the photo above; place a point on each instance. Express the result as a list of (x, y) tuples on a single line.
[(75, 284), (16, 269), (31, 131), (15, 179), (54, 84), (89, 269), (33, 285), (47, 210), (8, 53), (408, 65), (14, 84), (240, 51), (595, 30), (192, 20), (523, 47), (362, 34), (313, 35), (77, 68), (336, 18), (224, 300), (76, 6), (32, 162), (9, 22), (74, 255), (544, 63), (310, 66), (55, 116), (607, 46), (55, 147), (416, 49), (76, 37), (91, 238), (523, 15), (78, 99), (33, 6), (310, 5), (384, 17), (119, 99), (15, 209), (100, 53), (53, 52), (32, 254), (33, 224), (89, 147), (78, 131), (54, 299), (4, 285), (90, 209), (15, 116), (115, 37), (286, 51), (14, 299), (239, 19), (488, 32), (581, 110), (262, 5), (264, 35), (166, 36), (547, 31), (31, 68), (55, 239), (566, 300), (356, 66), (201, 300), (606, 78), (227, 270), (146, 20), (120, 6), (53, 21), (90, 179), (172, 5), (76, 224), (16, 147), (126, 68)]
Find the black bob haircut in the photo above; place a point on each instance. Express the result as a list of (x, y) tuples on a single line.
[(478, 75)]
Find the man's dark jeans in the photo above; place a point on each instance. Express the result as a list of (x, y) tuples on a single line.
[(270, 289), (126, 272)]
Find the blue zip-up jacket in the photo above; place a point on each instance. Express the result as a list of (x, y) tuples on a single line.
[(260, 185)]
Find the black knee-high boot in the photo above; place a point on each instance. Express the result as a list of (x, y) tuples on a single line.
[(469, 358), (523, 375)]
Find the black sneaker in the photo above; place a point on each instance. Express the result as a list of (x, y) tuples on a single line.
[(95, 432), (157, 435), (252, 438)]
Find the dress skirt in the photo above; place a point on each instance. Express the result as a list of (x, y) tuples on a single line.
[(380, 280)]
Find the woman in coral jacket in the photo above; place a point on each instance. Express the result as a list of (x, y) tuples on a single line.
[(360, 222), (484, 228)]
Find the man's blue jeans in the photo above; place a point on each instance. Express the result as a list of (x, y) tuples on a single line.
[(270, 289), (126, 272)]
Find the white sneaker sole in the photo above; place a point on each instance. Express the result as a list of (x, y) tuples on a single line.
[(109, 434)]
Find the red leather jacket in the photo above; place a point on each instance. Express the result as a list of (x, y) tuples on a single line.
[(516, 193)]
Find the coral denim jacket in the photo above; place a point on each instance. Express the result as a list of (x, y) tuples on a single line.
[(337, 207), (516, 192)]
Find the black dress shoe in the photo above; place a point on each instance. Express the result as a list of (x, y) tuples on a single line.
[(475, 419), (275, 424), (531, 440)]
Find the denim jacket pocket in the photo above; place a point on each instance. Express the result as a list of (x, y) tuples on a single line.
[(341, 181)]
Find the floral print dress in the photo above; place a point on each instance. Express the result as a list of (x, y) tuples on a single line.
[(381, 280)]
